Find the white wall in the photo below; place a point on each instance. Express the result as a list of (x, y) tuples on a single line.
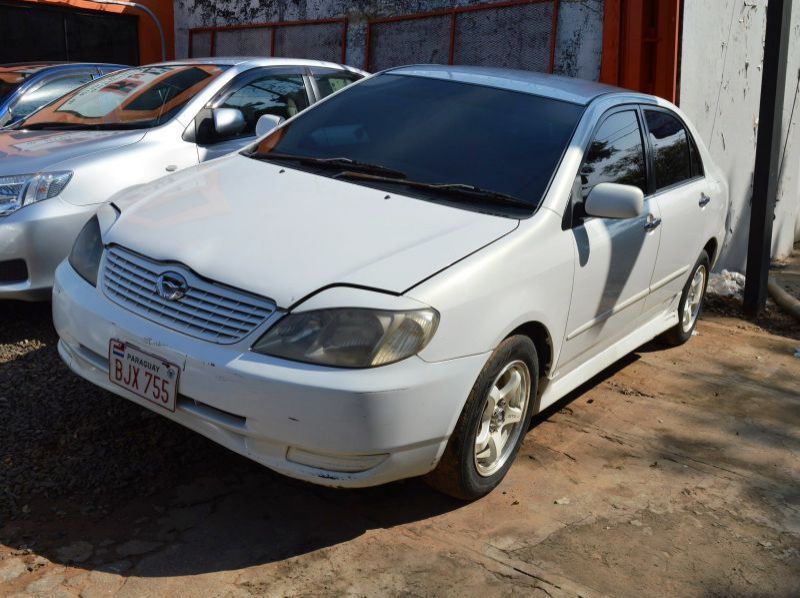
[(721, 64)]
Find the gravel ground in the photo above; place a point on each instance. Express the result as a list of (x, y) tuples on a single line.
[(63, 438)]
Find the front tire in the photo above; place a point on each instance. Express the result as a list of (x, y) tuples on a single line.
[(691, 303), (493, 423)]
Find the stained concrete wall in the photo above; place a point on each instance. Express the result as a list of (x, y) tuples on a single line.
[(721, 66), (578, 41)]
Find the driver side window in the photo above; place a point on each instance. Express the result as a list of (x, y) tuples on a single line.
[(616, 154), (281, 95)]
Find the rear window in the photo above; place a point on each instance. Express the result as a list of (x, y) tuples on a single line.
[(331, 81), (438, 131)]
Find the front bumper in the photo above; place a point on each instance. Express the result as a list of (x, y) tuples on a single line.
[(40, 235), (335, 427)]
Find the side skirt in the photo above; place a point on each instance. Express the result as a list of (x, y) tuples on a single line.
[(559, 387)]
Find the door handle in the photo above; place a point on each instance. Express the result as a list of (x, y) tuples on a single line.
[(704, 199), (652, 223)]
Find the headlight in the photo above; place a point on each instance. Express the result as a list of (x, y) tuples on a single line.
[(87, 250), (349, 337), (23, 189)]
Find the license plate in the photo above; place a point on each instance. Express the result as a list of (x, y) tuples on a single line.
[(143, 374)]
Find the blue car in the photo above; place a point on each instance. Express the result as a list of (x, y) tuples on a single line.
[(26, 87)]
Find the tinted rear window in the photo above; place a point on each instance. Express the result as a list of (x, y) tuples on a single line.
[(438, 131), (670, 145)]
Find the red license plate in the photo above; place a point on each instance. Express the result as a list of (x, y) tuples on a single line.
[(143, 374)]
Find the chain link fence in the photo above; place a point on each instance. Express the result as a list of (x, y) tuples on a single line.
[(318, 40), (200, 44), (519, 34)]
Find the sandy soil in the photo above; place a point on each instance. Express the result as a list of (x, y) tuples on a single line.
[(676, 473)]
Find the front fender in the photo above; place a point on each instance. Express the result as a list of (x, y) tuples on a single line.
[(524, 277)]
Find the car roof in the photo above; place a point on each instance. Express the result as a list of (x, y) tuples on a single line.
[(576, 91), (254, 61), (30, 68)]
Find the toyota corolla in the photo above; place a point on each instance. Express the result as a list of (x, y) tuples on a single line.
[(391, 284)]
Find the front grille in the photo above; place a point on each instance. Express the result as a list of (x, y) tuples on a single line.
[(208, 311)]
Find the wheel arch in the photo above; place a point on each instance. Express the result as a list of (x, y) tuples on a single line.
[(711, 249), (542, 340)]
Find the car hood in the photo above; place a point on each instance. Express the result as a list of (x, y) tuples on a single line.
[(23, 152), (284, 233)]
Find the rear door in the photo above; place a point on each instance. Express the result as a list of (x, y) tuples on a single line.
[(614, 259), (681, 194), (280, 91)]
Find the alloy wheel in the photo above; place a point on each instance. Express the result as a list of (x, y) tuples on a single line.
[(691, 307), (501, 420)]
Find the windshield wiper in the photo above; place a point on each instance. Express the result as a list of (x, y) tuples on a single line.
[(460, 190), (332, 163)]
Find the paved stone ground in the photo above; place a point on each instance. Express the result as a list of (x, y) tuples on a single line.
[(676, 473)]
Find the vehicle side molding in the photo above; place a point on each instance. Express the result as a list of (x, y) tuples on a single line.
[(612, 200)]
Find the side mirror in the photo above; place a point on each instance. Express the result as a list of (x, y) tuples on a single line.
[(612, 200), (228, 121), (267, 122)]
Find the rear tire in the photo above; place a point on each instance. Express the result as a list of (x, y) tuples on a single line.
[(691, 303), (492, 424)]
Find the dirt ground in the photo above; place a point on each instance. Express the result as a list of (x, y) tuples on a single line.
[(675, 473)]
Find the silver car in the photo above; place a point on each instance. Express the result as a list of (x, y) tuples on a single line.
[(62, 162), (26, 87)]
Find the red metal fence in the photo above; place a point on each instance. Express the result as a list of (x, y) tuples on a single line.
[(323, 39), (513, 34)]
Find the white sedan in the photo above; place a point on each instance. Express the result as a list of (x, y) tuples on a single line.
[(391, 283)]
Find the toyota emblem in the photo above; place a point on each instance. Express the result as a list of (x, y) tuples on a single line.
[(171, 286)]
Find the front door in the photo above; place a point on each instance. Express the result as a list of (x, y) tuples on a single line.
[(614, 259)]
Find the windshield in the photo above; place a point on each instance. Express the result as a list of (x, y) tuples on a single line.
[(434, 131), (135, 98)]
